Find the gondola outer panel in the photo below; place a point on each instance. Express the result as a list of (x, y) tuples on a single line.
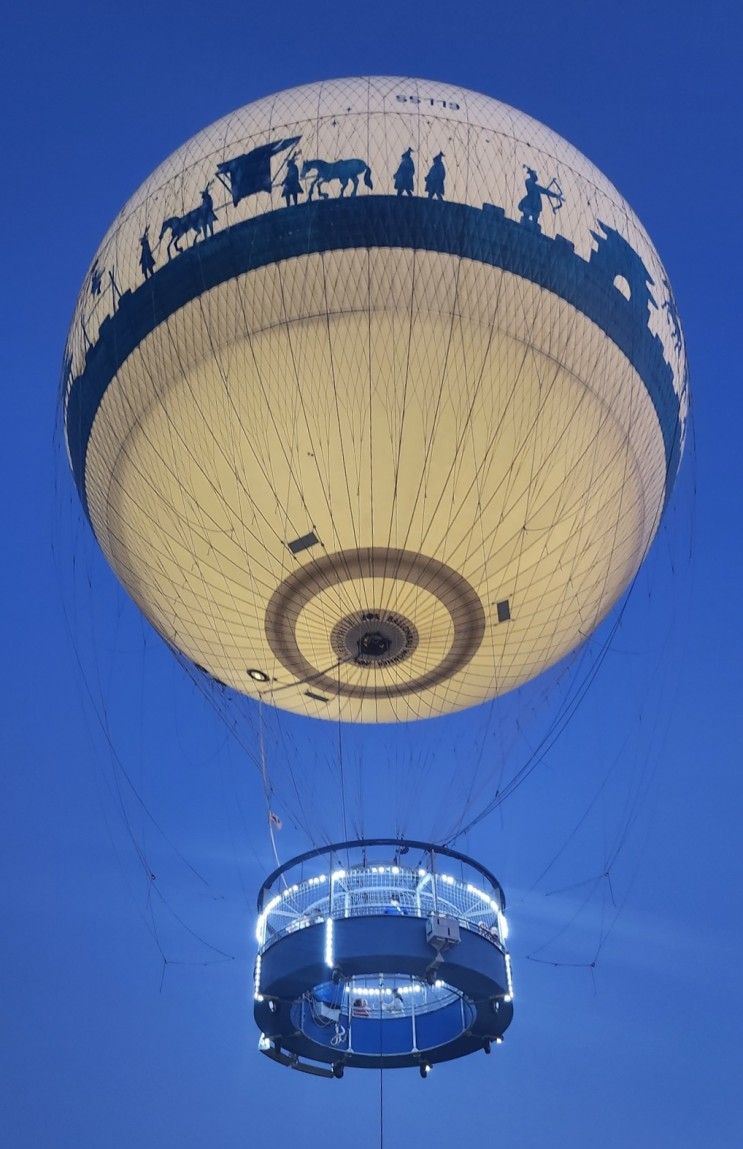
[(462, 408)]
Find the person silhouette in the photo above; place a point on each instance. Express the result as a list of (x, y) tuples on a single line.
[(673, 317), (531, 205), (96, 279), (146, 258), (404, 177), (395, 1004), (208, 214), (291, 187), (435, 178)]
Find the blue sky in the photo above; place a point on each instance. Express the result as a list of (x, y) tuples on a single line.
[(103, 1045)]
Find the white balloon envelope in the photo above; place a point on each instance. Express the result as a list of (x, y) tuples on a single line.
[(374, 395)]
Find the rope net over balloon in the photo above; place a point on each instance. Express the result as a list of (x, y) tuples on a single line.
[(379, 453)]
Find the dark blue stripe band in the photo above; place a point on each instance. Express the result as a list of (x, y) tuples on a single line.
[(375, 221)]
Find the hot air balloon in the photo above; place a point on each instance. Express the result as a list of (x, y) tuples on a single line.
[(374, 396)]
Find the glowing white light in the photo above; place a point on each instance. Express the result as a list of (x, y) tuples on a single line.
[(337, 874), (260, 926), (329, 959), (395, 869), (502, 925), (264, 1043), (509, 977), (358, 989), (448, 879), (257, 979), (480, 893), (422, 873)]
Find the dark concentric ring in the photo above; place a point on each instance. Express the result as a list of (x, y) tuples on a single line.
[(374, 638), (393, 565)]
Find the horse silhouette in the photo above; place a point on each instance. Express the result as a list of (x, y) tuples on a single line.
[(200, 220), (346, 171)]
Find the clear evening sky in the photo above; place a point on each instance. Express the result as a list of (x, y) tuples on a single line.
[(127, 946)]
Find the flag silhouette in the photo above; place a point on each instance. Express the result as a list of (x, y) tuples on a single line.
[(250, 173)]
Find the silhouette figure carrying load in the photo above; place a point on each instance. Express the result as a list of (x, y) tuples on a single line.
[(291, 186), (531, 205), (435, 178), (404, 177), (146, 258)]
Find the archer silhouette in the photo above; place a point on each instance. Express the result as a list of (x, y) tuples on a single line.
[(531, 205)]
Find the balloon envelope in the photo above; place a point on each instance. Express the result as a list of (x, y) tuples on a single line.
[(374, 395)]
